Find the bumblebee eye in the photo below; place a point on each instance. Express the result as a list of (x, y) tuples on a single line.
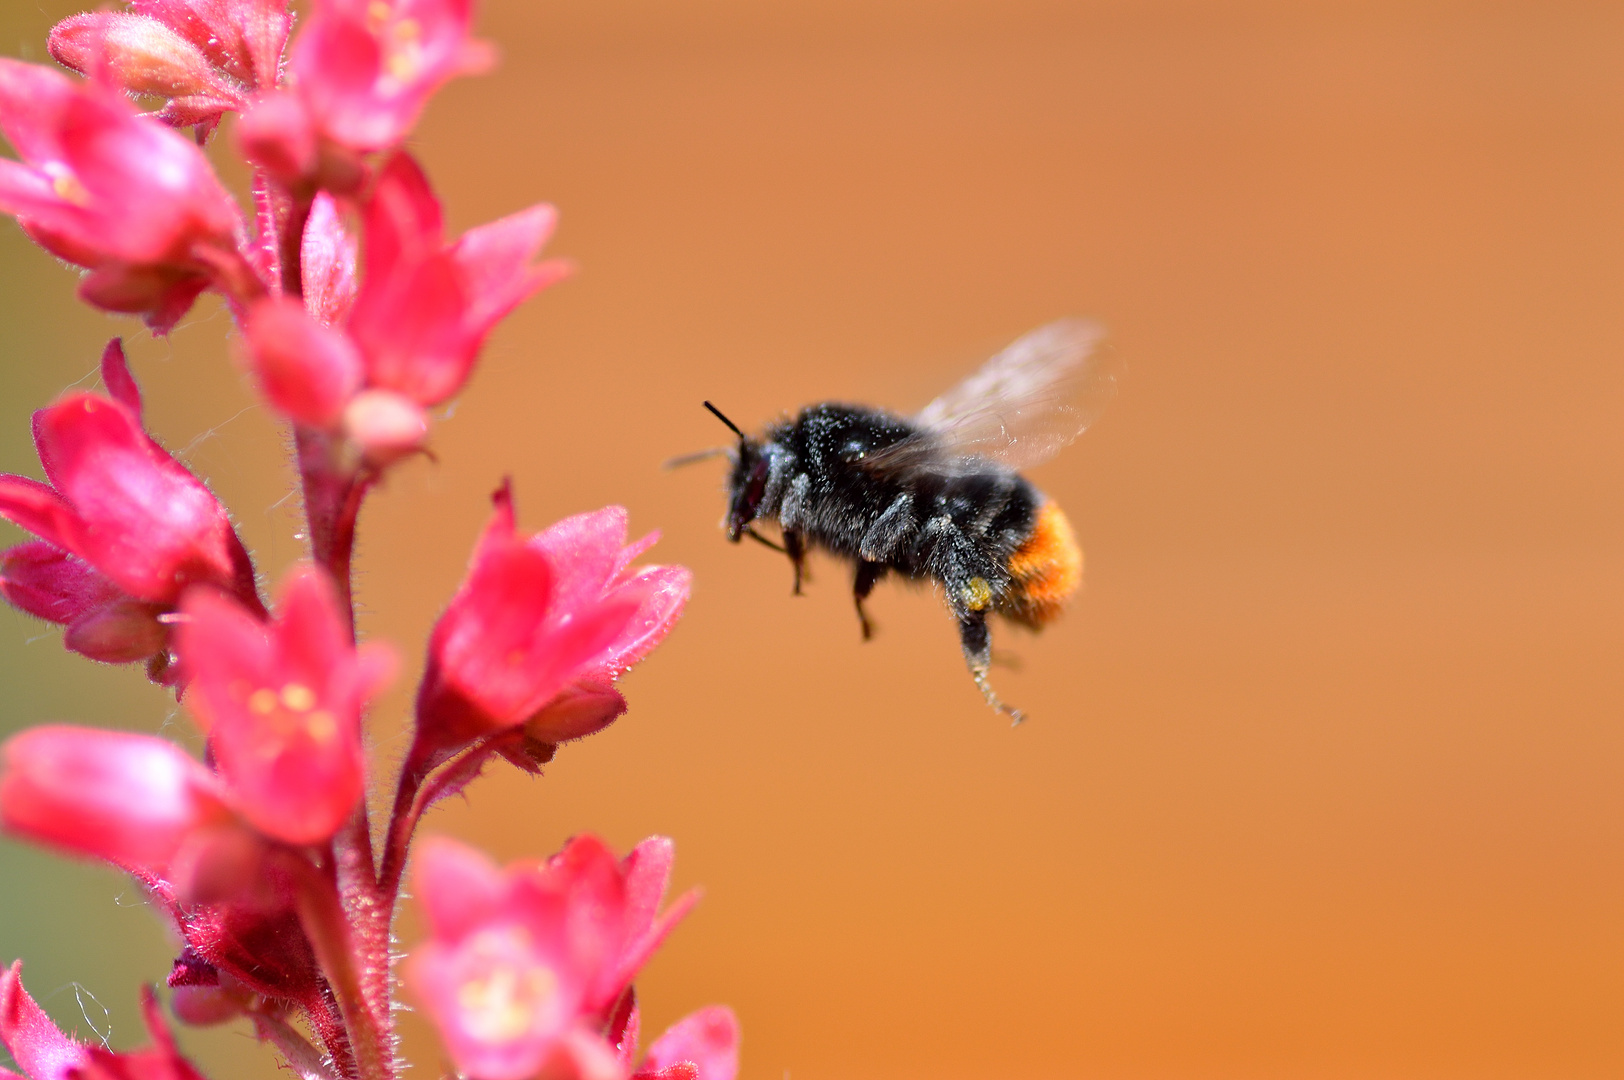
[(748, 499)]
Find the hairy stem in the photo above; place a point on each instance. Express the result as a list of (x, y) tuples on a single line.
[(331, 936)]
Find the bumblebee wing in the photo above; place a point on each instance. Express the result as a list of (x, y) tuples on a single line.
[(1019, 408)]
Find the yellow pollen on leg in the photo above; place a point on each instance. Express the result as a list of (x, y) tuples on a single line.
[(503, 1003), (977, 594)]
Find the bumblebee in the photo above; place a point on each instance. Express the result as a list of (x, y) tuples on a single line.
[(937, 496)]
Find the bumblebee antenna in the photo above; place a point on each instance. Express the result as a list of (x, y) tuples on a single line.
[(730, 424)]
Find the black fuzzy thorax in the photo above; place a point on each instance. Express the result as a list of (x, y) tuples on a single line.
[(953, 521)]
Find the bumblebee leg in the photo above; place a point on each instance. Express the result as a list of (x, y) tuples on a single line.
[(976, 640), (868, 573), (797, 555)]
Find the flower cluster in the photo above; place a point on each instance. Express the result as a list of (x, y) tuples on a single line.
[(262, 855)]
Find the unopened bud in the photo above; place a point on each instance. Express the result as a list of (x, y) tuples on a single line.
[(385, 425), (144, 55), (203, 1006), (119, 634), (307, 370)]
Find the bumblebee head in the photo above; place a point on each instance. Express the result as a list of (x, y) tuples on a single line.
[(747, 483)]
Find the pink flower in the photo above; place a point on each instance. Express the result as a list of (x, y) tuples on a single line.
[(534, 615), (366, 68), (116, 192), (126, 529), (133, 800), (425, 308), (595, 543), (123, 505), (520, 961), (282, 703), (45, 1053)]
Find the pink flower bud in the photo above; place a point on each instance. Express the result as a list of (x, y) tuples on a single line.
[(282, 704), (586, 706), (130, 799), (244, 38), (327, 263), (144, 56), (306, 370), (385, 425), (205, 1006), (276, 134)]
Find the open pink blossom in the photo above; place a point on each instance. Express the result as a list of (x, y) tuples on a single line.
[(118, 193), (132, 800), (518, 960), (44, 1053), (366, 68), (282, 702), (126, 528), (534, 615), (425, 307), (595, 544), (118, 501)]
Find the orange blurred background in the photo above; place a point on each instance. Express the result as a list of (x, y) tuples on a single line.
[(1324, 776)]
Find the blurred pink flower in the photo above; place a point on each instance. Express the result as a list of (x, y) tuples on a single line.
[(366, 68), (282, 703), (521, 961)]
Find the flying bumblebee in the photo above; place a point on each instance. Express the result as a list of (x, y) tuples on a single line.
[(936, 496)]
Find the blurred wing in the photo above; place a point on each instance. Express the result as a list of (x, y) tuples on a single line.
[(1020, 408)]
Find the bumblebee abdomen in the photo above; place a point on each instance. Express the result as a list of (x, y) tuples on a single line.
[(1044, 571)]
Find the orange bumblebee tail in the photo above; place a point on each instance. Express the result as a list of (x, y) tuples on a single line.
[(1047, 570)]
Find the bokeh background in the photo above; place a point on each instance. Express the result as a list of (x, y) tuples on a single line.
[(1325, 775)]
